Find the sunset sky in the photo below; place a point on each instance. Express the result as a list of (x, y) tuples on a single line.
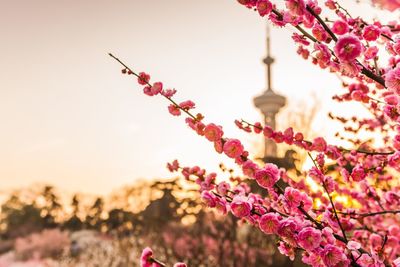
[(70, 118)]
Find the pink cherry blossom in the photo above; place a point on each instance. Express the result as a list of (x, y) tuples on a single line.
[(267, 176), (143, 78), (340, 27), (209, 199), (233, 148), (348, 48), (213, 132), (353, 245), (186, 105), (156, 88), (240, 206), (269, 223), (371, 33), (330, 4), (295, 199), (174, 166), (319, 144), (174, 110), (168, 92), (249, 168), (309, 238), (296, 7), (287, 250), (264, 7), (146, 259), (358, 173), (388, 4), (287, 230), (371, 52), (392, 80), (332, 255)]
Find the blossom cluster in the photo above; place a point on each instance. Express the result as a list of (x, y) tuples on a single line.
[(349, 218)]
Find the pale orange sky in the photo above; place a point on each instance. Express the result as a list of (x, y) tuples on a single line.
[(70, 119)]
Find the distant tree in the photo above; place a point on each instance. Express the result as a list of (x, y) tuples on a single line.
[(74, 222), (94, 215), (20, 218)]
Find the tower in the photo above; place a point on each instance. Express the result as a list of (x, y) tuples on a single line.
[(269, 102)]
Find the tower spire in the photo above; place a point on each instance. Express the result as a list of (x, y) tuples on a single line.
[(268, 61), (269, 102)]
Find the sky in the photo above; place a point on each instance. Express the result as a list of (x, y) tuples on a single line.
[(69, 118)]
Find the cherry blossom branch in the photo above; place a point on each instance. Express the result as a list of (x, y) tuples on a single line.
[(330, 200), (138, 76), (340, 148), (371, 213), (298, 27), (364, 70), (323, 24)]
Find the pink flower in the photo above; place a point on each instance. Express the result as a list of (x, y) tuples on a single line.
[(396, 46), (218, 146), (146, 259), (222, 206), (174, 166), (156, 88), (332, 255), (390, 5), (287, 250), (186, 105), (394, 160), (348, 48), (264, 7), (301, 40), (240, 206), (233, 148), (294, 199), (267, 176), (267, 131), (322, 55), (353, 245), (249, 168), (287, 230), (397, 262), (330, 4), (375, 240), (358, 173), (350, 69), (340, 27), (209, 199), (269, 223), (319, 33), (223, 187), (248, 3), (296, 7), (143, 78), (168, 92), (147, 91), (366, 260), (392, 80), (180, 264), (213, 132), (319, 144), (309, 238), (312, 258), (371, 52), (174, 110), (371, 33)]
